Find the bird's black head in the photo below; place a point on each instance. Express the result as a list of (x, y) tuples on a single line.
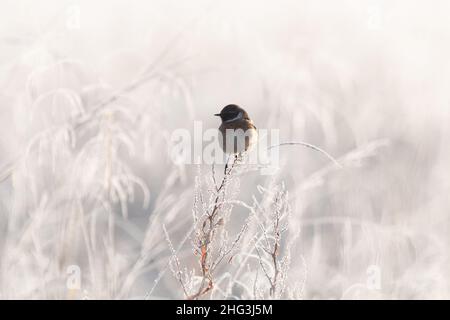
[(231, 112)]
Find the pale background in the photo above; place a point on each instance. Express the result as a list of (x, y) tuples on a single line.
[(371, 76)]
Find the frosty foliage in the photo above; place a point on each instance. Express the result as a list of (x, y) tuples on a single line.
[(91, 205)]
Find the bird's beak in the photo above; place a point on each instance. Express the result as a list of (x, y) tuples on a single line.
[(217, 114)]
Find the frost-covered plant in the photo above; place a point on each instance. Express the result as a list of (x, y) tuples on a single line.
[(211, 242)]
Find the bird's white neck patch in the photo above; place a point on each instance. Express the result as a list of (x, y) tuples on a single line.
[(238, 117)]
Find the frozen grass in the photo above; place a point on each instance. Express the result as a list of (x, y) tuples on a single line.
[(86, 180)]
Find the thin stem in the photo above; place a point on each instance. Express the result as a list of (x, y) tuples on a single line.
[(308, 145)]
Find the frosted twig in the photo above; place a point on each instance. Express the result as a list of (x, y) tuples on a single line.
[(308, 145), (178, 273)]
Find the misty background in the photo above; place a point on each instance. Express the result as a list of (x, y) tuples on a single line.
[(90, 183)]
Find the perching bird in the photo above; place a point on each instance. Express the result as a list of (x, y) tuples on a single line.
[(238, 134)]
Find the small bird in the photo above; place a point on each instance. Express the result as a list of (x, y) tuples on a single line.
[(238, 133)]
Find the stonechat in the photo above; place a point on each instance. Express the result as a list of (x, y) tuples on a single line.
[(237, 133)]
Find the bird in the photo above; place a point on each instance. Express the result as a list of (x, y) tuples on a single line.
[(237, 133)]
